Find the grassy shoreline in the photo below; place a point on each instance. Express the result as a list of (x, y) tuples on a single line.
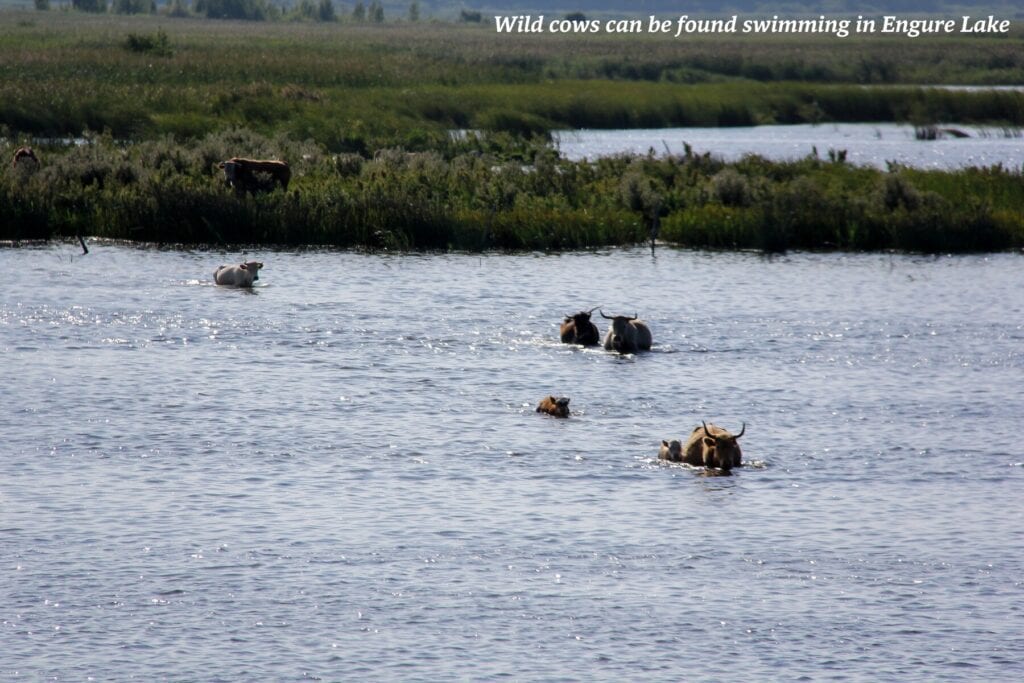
[(499, 192)]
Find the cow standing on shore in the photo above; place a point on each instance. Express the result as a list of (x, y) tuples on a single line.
[(24, 156), (255, 175)]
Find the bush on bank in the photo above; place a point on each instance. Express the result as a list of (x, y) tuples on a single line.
[(501, 192)]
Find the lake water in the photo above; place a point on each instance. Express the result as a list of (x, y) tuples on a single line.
[(340, 474), (867, 144)]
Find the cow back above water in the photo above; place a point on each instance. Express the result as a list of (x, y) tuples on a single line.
[(241, 275), (255, 175), (578, 329), (626, 334), (714, 447)]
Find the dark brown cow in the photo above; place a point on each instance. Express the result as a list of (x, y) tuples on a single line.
[(626, 335), (577, 329), (558, 407), (255, 175), (23, 155), (712, 446)]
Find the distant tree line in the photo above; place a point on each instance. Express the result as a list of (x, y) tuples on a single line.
[(250, 10), (373, 11)]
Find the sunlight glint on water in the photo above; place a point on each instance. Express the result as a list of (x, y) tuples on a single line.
[(340, 475)]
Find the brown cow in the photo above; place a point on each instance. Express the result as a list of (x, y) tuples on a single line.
[(577, 329), (626, 335), (255, 175), (671, 451), (558, 407), (24, 155), (712, 446)]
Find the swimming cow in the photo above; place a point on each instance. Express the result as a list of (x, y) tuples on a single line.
[(557, 407), (255, 175), (577, 329), (626, 335), (671, 451), (712, 446), (242, 275)]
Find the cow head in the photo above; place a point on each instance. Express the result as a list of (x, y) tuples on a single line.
[(581, 319), (622, 335), (582, 327), (230, 169), (720, 448), (25, 157), (559, 407), (252, 267), (672, 450)]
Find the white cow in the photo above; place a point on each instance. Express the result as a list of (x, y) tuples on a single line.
[(242, 275)]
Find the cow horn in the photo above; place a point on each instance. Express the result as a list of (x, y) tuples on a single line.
[(591, 311), (635, 316), (606, 317), (706, 428), (741, 431)]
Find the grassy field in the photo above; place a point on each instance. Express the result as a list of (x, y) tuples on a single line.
[(361, 87), (363, 115)]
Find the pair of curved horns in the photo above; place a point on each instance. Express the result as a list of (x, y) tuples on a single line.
[(613, 317), (744, 429)]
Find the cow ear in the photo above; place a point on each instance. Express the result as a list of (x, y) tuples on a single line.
[(259, 265), (243, 266), (664, 443), (708, 441)]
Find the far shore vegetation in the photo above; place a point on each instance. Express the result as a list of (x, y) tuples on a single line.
[(363, 112), (497, 191)]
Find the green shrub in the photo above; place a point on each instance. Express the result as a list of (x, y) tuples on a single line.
[(157, 44)]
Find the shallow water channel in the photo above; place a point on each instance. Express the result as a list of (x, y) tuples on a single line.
[(865, 144), (339, 475)]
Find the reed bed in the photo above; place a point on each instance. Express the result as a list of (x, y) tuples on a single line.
[(497, 191)]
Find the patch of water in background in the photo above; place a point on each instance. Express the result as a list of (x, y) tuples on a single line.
[(341, 475), (866, 144)]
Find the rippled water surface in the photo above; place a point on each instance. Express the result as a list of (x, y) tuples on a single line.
[(865, 144), (340, 475)]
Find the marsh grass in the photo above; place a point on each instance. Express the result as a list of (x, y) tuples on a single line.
[(361, 87), (501, 192)]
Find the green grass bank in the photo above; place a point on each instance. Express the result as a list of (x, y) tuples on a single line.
[(500, 192)]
